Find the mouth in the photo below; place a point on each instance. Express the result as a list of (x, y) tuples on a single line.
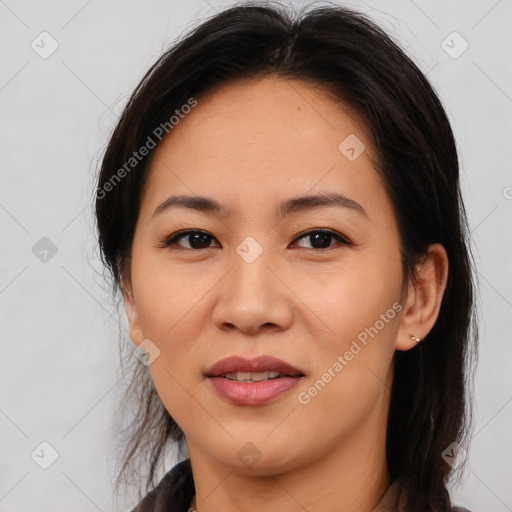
[(252, 381), (253, 370), (255, 376)]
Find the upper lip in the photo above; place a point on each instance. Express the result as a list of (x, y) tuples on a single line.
[(259, 364)]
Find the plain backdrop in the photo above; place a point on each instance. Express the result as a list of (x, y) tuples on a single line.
[(67, 69)]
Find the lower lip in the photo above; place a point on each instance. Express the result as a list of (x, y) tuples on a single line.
[(252, 393)]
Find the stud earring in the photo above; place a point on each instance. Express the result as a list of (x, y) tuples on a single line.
[(414, 338)]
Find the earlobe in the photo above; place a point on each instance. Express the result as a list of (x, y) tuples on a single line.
[(424, 296)]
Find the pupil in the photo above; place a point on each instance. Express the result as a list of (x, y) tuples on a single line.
[(199, 241), (322, 239)]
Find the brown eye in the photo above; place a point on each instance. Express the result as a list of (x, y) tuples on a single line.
[(194, 239), (322, 239)]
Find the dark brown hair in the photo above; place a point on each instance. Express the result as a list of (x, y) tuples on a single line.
[(346, 54)]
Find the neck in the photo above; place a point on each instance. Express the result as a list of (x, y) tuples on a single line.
[(352, 475)]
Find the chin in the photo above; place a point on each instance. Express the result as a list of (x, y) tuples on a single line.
[(260, 457)]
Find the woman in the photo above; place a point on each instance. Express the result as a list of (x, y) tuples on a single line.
[(279, 205)]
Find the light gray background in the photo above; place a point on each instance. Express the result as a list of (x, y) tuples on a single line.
[(60, 379)]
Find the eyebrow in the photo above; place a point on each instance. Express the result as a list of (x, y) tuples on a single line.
[(294, 205)]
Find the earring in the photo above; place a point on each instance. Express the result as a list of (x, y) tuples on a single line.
[(414, 338)]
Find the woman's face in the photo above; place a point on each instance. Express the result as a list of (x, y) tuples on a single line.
[(314, 284)]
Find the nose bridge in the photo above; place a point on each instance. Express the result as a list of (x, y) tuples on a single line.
[(252, 296), (250, 277), (250, 270)]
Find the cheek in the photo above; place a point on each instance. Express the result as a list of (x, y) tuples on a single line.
[(168, 306), (174, 322), (167, 297), (355, 298), (361, 307), (353, 370)]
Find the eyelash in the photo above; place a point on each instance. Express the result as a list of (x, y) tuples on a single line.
[(171, 240)]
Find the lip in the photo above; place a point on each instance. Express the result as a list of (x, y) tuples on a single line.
[(253, 393), (259, 364)]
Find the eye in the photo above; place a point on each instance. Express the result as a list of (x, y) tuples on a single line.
[(194, 239), (321, 239)]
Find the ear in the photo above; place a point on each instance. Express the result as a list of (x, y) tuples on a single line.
[(136, 334), (424, 295)]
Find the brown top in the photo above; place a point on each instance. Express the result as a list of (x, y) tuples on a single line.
[(389, 502), (176, 490)]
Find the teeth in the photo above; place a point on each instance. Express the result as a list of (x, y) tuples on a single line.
[(252, 376)]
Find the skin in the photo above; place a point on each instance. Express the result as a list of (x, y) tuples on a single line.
[(251, 145)]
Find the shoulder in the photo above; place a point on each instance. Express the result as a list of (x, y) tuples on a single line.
[(172, 494)]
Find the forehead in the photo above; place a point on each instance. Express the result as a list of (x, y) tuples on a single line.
[(266, 137), (273, 109)]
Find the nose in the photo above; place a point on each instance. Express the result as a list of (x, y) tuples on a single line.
[(252, 298)]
